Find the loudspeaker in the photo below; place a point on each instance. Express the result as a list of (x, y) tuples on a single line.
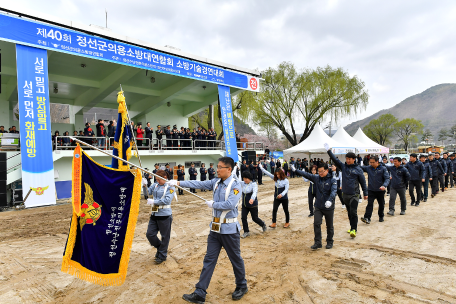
[(3, 201), (17, 197), (249, 156), (2, 167), (3, 156), (3, 186)]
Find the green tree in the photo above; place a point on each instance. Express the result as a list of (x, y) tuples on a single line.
[(452, 132), (290, 98), (427, 135), (407, 129), (380, 129), (443, 134)]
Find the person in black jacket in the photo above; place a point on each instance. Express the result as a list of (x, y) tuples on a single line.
[(442, 173), (253, 170), (193, 174), (111, 132), (101, 132), (450, 171), (326, 189), (353, 177), (417, 176), (157, 167), (169, 171), (244, 166), (203, 174), (399, 177), (260, 173), (436, 167), (427, 176), (453, 161), (311, 192), (180, 177), (159, 134), (211, 171), (149, 131), (378, 181)]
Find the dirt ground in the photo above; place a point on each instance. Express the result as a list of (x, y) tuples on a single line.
[(406, 259)]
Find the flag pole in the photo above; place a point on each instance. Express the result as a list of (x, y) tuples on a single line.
[(131, 128), (131, 164)]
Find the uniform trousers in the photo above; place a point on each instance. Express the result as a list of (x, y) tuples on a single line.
[(145, 192), (254, 212), (339, 192), (435, 184), (351, 202), (372, 196), (329, 219), (447, 179), (311, 196), (232, 245), (441, 180), (164, 227), (426, 188), (392, 201), (415, 184), (451, 180), (275, 207)]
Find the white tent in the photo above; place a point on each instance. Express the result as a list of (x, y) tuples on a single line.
[(314, 144), (346, 141), (370, 145)]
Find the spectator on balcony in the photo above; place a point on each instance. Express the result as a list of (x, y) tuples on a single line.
[(149, 132), (13, 130), (188, 139), (88, 132), (56, 140), (2, 129), (66, 140), (194, 135), (139, 135), (111, 132), (101, 132), (159, 134), (72, 142), (169, 143), (181, 138)]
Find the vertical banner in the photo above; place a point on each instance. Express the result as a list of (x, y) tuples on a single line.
[(35, 126), (228, 122)]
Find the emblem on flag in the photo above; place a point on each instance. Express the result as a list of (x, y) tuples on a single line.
[(91, 211), (39, 190)]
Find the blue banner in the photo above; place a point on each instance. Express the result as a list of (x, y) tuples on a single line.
[(35, 125), (228, 122), (59, 39)]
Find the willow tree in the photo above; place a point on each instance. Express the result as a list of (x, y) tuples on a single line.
[(290, 98)]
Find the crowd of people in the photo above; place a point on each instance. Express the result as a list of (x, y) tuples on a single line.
[(12, 129), (238, 184)]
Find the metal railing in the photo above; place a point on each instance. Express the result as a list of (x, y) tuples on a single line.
[(163, 144)]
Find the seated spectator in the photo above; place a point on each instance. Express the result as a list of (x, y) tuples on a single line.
[(72, 142), (66, 140), (56, 141), (13, 130), (2, 129)]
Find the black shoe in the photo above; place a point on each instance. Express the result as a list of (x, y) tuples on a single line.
[(265, 228), (425, 200), (329, 246), (380, 219), (310, 215), (315, 246), (159, 260), (366, 220), (432, 195), (417, 203), (403, 212), (239, 293), (413, 203), (193, 298)]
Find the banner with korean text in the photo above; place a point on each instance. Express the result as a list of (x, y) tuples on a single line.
[(35, 126), (228, 122)]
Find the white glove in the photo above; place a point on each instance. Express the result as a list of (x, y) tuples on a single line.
[(326, 147), (293, 168), (209, 203), (328, 204), (150, 201), (261, 166), (172, 183)]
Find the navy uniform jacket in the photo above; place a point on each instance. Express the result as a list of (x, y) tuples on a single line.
[(443, 165), (191, 172), (159, 133), (325, 189), (377, 177), (416, 170), (203, 173), (272, 164), (148, 133), (180, 175), (155, 171), (211, 172), (436, 167), (170, 173), (220, 204), (427, 170), (449, 165), (243, 168), (168, 133), (352, 176), (400, 176), (199, 135), (175, 133)]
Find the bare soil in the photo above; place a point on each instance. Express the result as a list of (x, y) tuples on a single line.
[(406, 259)]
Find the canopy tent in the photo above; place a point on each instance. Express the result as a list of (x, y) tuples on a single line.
[(314, 144), (346, 142), (370, 145)]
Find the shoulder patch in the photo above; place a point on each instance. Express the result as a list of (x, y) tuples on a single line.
[(236, 191), (171, 191)]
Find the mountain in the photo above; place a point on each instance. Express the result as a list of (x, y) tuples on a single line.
[(435, 107)]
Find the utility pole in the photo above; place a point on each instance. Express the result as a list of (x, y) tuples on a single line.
[(106, 12)]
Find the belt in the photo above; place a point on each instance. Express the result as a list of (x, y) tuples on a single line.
[(225, 221), (164, 206)]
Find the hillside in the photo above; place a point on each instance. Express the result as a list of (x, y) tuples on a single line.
[(435, 107)]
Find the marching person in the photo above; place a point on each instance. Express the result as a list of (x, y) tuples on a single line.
[(436, 167), (453, 161), (312, 192), (169, 171), (338, 177), (353, 177), (450, 171), (442, 172), (211, 171), (417, 176), (227, 192), (203, 174), (161, 217), (326, 189), (249, 202), (427, 176), (378, 181), (399, 177), (180, 177), (193, 174), (280, 195)]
